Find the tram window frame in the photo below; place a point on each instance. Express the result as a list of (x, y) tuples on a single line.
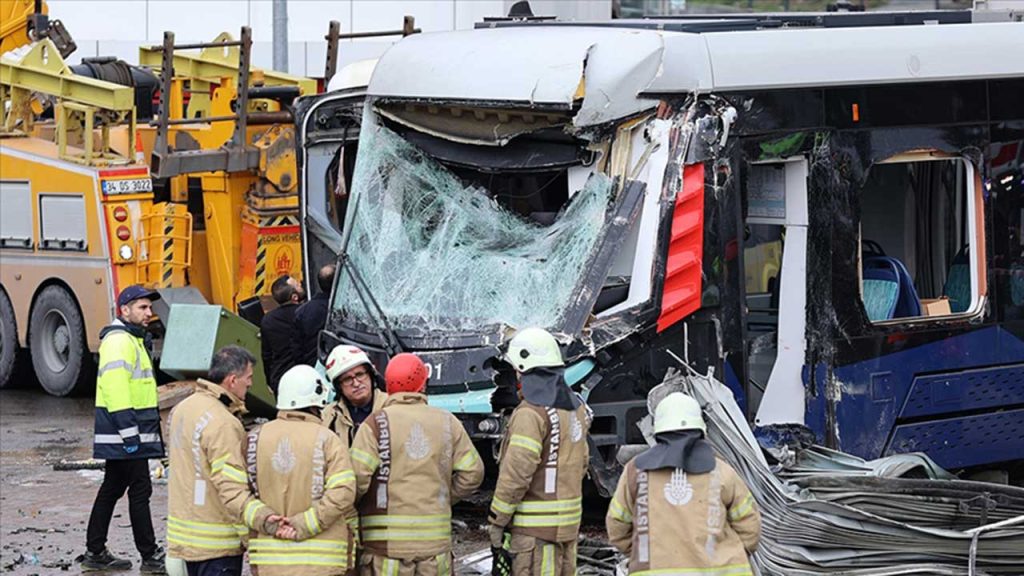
[(973, 205)]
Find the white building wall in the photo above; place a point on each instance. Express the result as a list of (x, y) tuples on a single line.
[(118, 27)]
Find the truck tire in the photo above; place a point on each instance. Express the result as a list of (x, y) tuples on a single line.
[(8, 340), (60, 354)]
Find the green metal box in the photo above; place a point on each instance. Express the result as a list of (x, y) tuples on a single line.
[(196, 331)]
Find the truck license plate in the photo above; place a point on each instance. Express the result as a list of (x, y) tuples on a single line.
[(133, 186)]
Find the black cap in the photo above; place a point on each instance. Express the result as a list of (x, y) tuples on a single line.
[(134, 292)]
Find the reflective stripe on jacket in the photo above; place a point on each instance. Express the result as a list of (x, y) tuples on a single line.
[(544, 456), (302, 470), (338, 418), (127, 411), (412, 462), (671, 522), (210, 507)]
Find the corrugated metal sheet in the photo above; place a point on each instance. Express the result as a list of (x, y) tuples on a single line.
[(833, 514)]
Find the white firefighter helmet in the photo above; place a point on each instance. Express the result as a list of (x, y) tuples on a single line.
[(343, 358), (677, 411), (533, 348), (301, 387)]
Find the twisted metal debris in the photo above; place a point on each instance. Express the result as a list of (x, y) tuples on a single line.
[(838, 518)]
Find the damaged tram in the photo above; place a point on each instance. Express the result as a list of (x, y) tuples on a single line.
[(824, 211)]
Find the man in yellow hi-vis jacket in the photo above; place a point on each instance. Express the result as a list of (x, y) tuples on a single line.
[(127, 433), (301, 468), (412, 462), (678, 508), (210, 508), (543, 459)]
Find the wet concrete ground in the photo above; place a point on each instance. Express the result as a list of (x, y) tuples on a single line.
[(43, 512)]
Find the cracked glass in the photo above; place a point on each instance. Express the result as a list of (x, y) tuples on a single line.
[(438, 254)]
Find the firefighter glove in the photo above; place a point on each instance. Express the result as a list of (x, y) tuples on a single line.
[(497, 535)]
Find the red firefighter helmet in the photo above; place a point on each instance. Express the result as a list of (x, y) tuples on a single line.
[(406, 373)]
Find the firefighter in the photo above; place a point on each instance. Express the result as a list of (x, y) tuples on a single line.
[(127, 433), (543, 458), (209, 502), (300, 468), (706, 519), (412, 462), (354, 379)]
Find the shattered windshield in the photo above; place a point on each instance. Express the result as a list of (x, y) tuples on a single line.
[(438, 254)]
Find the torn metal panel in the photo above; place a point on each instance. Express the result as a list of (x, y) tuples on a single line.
[(641, 245), (685, 67), (612, 79), (478, 126), (672, 136), (581, 304), (544, 67), (543, 150), (818, 460), (478, 563)]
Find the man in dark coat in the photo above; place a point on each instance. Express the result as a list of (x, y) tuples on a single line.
[(312, 315), (278, 332)]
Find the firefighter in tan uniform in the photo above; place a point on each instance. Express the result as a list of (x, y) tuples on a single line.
[(412, 462), (678, 508), (544, 456), (210, 507), (355, 384), (300, 468)]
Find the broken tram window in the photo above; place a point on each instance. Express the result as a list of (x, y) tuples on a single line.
[(450, 255)]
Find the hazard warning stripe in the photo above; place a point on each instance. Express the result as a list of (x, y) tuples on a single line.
[(286, 220), (168, 267), (261, 269)]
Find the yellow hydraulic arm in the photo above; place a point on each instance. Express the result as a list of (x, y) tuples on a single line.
[(80, 101)]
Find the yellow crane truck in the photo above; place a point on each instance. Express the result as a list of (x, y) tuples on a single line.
[(197, 200)]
